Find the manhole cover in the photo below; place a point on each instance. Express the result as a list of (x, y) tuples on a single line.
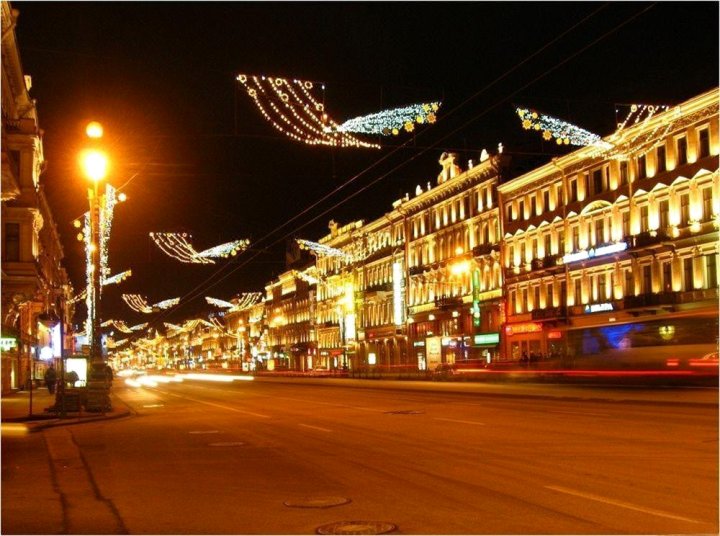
[(357, 527), (317, 502), (404, 412), (227, 444), (204, 432)]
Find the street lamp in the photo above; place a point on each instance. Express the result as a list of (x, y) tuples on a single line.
[(94, 163)]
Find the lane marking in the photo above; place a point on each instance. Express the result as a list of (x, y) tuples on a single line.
[(204, 432), (223, 406), (621, 504), (315, 427), (456, 420)]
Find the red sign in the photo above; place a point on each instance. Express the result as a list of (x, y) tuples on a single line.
[(554, 335), (528, 327)]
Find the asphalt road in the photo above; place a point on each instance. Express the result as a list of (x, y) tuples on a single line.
[(225, 458)]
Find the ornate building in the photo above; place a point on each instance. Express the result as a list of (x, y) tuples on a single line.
[(615, 246), (35, 288)]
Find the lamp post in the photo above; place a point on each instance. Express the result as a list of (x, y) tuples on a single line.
[(95, 163)]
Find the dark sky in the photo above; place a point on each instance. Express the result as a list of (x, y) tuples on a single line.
[(199, 158)]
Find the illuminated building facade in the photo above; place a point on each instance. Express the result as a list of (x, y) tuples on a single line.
[(455, 277), (335, 310), (34, 284), (289, 306), (612, 248)]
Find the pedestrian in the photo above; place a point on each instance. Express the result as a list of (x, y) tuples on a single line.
[(50, 379)]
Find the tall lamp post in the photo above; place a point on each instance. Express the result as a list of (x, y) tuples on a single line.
[(94, 164)]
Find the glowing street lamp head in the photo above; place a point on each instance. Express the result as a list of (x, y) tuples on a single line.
[(94, 130), (122, 197), (94, 164)]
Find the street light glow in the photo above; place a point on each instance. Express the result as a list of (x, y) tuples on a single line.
[(94, 130), (94, 164)]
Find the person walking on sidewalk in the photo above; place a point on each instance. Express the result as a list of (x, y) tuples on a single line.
[(50, 379)]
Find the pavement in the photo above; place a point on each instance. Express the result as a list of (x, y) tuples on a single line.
[(31, 411)]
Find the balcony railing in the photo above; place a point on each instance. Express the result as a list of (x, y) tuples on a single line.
[(485, 249), (647, 238), (447, 302)]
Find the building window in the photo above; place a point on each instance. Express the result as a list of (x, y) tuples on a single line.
[(623, 179), (521, 209), (533, 205), (703, 143), (548, 245), (511, 255), (642, 167), (559, 195), (509, 213), (563, 293), (576, 238), (684, 208), (513, 302), (688, 273), (597, 180), (561, 242), (711, 280), (573, 191), (667, 276), (643, 218), (629, 283), (647, 279), (626, 223), (546, 200), (11, 247), (707, 203), (549, 295), (578, 291), (602, 289), (599, 231), (682, 150), (660, 155), (663, 212)]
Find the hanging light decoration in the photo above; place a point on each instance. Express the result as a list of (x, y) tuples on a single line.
[(219, 303), (177, 246), (322, 250), (166, 304), (290, 107), (117, 278), (563, 132), (138, 327), (391, 121), (247, 299), (137, 303), (117, 324)]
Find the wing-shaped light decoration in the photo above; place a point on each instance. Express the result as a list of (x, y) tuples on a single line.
[(174, 327), (322, 250), (138, 327), (247, 299), (225, 250), (166, 304), (219, 303), (117, 278), (137, 303), (564, 133), (290, 107), (117, 324), (310, 276), (216, 323), (177, 246), (392, 121)]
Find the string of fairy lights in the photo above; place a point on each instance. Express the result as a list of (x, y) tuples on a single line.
[(563, 132), (140, 305), (322, 250), (290, 107), (178, 246), (219, 303)]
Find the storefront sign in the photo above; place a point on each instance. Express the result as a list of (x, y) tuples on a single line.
[(598, 307), (596, 252), (434, 352), (529, 327), (487, 338), (554, 335), (418, 343), (8, 343)]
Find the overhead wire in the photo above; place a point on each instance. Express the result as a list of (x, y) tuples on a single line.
[(193, 293)]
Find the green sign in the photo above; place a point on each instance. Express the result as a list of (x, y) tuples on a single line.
[(8, 343), (487, 338)]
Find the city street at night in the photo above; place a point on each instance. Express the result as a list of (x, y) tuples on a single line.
[(259, 457)]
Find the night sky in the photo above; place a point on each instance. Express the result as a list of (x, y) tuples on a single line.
[(193, 153)]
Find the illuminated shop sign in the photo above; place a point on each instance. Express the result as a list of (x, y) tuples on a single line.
[(598, 307), (419, 343), (487, 338), (529, 327), (554, 335), (8, 343), (594, 252)]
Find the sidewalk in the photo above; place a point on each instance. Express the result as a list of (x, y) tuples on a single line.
[(17, 408)]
